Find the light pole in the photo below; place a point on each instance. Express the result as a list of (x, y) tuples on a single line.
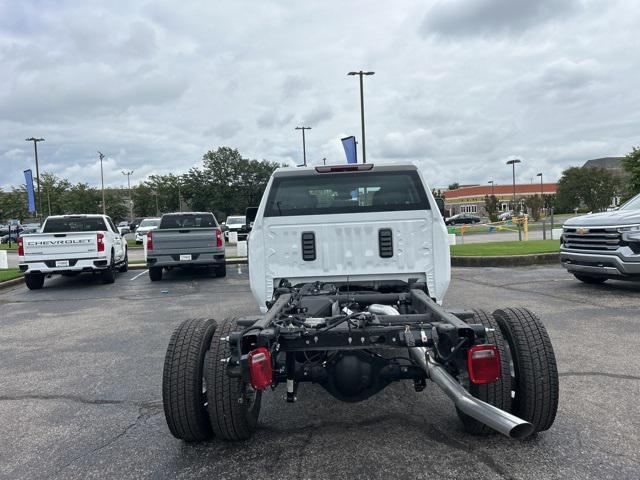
[(361, 74), (492, 183), (304, 147), (541, 190), (513, 168), (179, 197), (35, 149), (155, 193), (104, 205), (128, 174)]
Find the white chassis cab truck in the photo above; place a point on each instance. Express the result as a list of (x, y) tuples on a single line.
[(72, 244), (349, 265)]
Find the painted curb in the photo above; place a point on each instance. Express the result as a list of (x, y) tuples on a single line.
[(506, 261)]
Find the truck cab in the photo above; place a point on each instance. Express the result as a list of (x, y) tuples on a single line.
[(346, 224)]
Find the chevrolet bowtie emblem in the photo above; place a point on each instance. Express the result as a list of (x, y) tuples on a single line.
[(582, 231)]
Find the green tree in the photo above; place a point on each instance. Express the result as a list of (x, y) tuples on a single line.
[(593, 188), (631, 164), (454, 186), (491, 206), (13, 204), (534, 205), (81, 198), (53, 190)]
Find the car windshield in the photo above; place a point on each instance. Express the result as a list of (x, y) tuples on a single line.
[(633, 204), (74, 224), (331, 193), (188, 220), (150, 222), (241, 220)]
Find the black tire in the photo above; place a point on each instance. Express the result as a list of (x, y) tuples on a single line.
[(124, 267), (155, 274), (108, 275), (183, 391), (230, 419), (34, 281), (221, 271), (496, 393), (535, 386), (590, 279)]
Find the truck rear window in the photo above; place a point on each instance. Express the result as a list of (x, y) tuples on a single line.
[(65, 225), (179, 220), (330, 193)]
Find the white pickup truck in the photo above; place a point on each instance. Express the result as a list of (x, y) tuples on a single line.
[(350, 265), (72, 244)]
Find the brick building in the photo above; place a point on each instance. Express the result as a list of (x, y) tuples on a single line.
[(470, 199)]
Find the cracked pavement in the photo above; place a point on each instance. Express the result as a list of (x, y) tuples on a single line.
[(81, 366)]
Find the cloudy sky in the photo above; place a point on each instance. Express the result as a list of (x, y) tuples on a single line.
[(460, 87)]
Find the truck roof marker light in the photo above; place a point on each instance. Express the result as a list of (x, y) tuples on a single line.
[(483, 363), (260, 371), (363, 167), (100, 241), (149, 240)]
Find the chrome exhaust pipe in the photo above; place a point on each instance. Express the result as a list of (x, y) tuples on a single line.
[(493, 417)]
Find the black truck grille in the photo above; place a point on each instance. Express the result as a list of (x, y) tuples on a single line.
[(584, 238)]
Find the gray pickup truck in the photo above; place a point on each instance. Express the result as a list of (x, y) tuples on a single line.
[(599, 246), (186, 239)]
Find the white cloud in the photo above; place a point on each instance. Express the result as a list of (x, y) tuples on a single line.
[(459, 86)]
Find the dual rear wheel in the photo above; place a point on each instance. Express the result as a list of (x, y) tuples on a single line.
[(528, 387), (200, 400)]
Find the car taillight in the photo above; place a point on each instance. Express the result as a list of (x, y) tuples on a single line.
[(218, 238), (260, 371), (149, 241), (20, 247), (100, 240), (483, 363)]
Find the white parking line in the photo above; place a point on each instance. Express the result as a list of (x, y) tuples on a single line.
[(138, 275)]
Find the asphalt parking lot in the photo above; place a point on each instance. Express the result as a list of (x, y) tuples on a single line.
[(80, 389)]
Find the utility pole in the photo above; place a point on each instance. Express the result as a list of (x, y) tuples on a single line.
[(128, 174), (179, 197), (304, 147), (104, 205), (541, 190), (35, 149), (361, 74)]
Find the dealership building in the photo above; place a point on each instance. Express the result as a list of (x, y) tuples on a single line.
[(470, 199)]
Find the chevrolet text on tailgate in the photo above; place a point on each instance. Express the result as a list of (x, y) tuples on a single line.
[(72, 244), (350, 265), (599, 246)]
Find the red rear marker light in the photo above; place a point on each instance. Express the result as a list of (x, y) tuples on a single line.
[(363, 167), (260, 368), (20, 247), (218, 238), (100, 240), (483, 363), (149, 241)]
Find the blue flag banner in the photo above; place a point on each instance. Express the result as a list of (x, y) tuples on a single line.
[(349, 144), (31, 198)]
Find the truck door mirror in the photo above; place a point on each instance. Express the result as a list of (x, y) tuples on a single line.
[(440, 204), (251, 213)]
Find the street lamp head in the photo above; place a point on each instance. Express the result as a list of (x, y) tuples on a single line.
[(368, 73), (361, 73), (539, 175), (33, 139), (514, 161)]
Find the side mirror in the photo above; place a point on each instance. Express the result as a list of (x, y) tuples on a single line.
[(440, 204), (251, 213)]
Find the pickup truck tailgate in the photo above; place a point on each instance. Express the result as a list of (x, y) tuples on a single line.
[(60, 245), (196, 240)]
